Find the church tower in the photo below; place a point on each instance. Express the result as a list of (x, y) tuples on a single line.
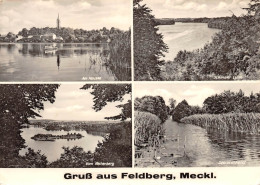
[(58, 22)]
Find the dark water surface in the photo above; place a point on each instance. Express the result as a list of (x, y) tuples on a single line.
[(198, 147), (70, 62), (53, 149)]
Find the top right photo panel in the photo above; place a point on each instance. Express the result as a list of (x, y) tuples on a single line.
[(196, 40)]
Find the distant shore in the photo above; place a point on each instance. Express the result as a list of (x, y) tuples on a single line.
[(216, 22)]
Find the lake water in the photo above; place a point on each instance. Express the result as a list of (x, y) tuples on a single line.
[(185, 36), (53, 149), (70, 62), (212, 148)]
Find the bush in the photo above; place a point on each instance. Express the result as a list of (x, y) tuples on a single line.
[(182, 110)]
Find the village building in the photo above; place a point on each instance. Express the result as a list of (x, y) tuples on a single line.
[(48, 36), (59, 38), (18, 37)]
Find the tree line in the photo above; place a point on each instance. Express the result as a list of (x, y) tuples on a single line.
[(225, 102), (68, 34)]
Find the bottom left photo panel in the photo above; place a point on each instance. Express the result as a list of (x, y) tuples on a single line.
[(65, 125)]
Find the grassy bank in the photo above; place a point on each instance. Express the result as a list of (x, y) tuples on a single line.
[(238, 122)]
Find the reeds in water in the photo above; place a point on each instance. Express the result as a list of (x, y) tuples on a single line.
[(147, 125), (237, 122)]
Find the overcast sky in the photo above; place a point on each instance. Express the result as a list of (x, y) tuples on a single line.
[(74, 104), (195, 8), (194, 93), (86, 14)]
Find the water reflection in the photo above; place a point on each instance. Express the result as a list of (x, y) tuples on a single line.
[(53, 149), (75, 62), (237, 146), (197, 147), (58, 61)]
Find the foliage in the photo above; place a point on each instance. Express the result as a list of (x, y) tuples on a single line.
[(232, 102), (233, 53), (35, 159), (119, 60), (31, 159), (253, 8), (239, 122), (18, 102), (70, 35), (147, 126), (104, 93), (172, 105), (117, 148), (75, 157), (148, 44), (182, 110), (225, 102), (153, 104), (165, 21), (218, 23)]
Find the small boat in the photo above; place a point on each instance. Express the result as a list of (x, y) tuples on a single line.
[(50, 48)]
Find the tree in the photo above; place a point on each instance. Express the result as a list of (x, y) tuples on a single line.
[(182, 110), (117, 148), (18, 102), (75, 157), (104, 93), (153, 104), (33, 31), (253, 8), (172, 105), (228, 101), (148, 44), (24, 32)]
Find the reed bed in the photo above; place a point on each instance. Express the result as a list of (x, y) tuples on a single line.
[(118, 58), (120, 49), (237, 122), (147, 126)]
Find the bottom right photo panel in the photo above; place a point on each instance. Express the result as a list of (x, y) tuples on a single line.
[(208, 124)]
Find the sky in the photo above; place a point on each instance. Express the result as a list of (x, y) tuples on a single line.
[(71, 103), (194, 93), (85, 14), (196, 8)]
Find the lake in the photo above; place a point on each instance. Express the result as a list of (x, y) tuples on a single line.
[(185, 36), (198, 147), (53, 149), (70, 62)]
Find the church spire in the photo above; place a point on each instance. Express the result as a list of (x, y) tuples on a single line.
[(58, 22)]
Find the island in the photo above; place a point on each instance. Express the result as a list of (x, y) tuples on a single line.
[(50, 137)]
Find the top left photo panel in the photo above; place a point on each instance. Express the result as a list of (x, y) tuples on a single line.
[(65, 40)]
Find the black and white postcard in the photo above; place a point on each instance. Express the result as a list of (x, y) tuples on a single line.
[(60, 40), (196, 40), (65, 126), (197, 125)]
